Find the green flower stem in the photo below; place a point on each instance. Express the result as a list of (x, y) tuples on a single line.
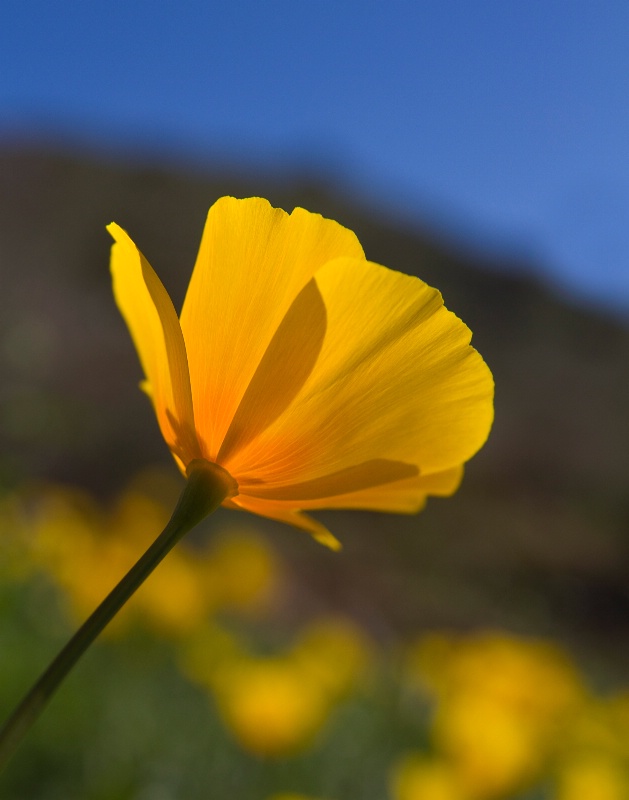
[(207, 486)]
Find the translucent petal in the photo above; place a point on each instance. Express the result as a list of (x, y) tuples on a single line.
[(154, 327), (288, 515), (376, 472), (406, 496), (253, 262), (297, 341), (396, 379)]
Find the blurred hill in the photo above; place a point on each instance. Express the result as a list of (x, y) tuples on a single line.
[(536, 539)]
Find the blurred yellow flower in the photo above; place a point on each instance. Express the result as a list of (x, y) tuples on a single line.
[(593, 777), (270, 705), (316, 378), (276, 705), (503, 705)]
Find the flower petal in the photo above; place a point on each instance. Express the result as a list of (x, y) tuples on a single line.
[(406, 496), (288, 515), (348, 480), (154, 327), (396, 379), (253, 262), (297, 341)]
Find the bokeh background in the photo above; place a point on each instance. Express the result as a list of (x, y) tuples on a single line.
[(479, 650)]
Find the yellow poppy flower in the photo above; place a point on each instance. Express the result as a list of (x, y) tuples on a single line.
[(316, 378)]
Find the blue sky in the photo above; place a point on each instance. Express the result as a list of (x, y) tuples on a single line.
[(506, 121)]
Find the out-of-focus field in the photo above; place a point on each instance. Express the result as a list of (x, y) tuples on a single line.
[(205, 680), (478, 650), (203, 686)]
